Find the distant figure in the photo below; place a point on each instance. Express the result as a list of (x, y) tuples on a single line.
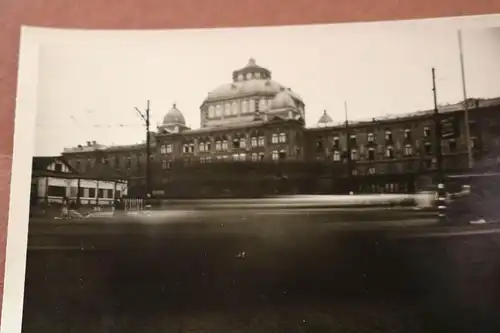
[(65, 208)]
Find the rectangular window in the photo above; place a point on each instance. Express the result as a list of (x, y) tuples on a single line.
[(452, 145), (371, 154), (282, 138), (236, 143), (56, 191), (169, 148), (91, 192), (262, 141), (407, 134), (274, 138), (388, 137), (254, 142), (275, 155), (336, 155), (336, 142), (353, 140), (428, 148), (389, 152), (408, 150), (354, 154), (163, 149), (371, 138)]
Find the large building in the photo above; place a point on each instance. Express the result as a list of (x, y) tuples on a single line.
[(252, 140)]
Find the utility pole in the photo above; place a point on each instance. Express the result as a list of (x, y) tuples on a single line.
[(466, 104), (437, 124), (145, 116), (348, 147)]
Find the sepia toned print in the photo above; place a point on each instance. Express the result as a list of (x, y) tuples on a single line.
[(303, 179)]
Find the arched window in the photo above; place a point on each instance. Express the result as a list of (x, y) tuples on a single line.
[(211, 111), (228, 109), (244, 107), (218, 110)]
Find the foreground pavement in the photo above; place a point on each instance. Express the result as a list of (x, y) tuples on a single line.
[(105, 233), (270, 280)]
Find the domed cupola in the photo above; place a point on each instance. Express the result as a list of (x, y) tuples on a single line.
[(325, 120), (251, 71), (174, 117), (173, 121), (251, 88)]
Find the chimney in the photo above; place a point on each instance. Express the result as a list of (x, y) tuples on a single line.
[(88, 143), (94, 143)]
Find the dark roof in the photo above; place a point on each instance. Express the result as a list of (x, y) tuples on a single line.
[(65, 175), (40, 163)]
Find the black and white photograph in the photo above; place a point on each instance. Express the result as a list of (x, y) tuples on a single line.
[(317, 178)]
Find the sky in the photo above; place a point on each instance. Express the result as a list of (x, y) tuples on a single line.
[(89, 83)]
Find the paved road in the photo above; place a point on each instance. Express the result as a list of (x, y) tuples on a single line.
[(263, 277), (98, 233)]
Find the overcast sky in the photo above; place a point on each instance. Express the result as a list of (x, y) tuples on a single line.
[(90, 82)]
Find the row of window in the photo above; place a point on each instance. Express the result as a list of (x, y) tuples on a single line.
[(237, 107), (408, 151), (250, 76), (371, 137), (82, 192), (223, 145), (254, 157)]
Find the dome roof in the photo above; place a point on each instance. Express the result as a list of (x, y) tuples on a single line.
[(325, 119), (174, 117), (283, 100), (250, 80)]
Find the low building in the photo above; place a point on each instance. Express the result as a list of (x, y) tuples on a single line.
[(53, 179)]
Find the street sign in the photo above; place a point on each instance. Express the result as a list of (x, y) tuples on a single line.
[(449, 127)]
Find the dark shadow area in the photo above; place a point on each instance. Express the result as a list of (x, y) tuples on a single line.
[(301, 282)]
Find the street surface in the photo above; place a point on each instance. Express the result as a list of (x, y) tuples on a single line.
[(332, 271)]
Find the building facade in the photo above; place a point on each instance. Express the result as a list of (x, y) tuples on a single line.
[(53, 179), (252, 140)]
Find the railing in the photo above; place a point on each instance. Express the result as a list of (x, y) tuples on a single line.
[(134, 204)]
